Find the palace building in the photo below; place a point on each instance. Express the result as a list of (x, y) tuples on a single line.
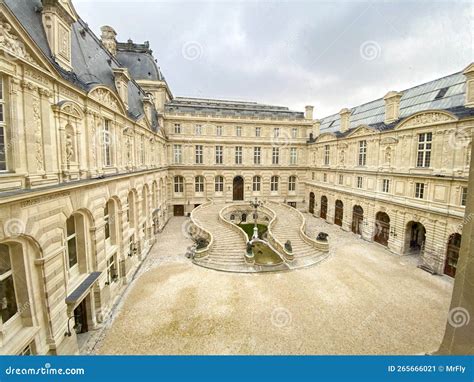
[(97, 153)]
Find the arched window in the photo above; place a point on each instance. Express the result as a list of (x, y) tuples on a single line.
[(292, 183), (145, 200), (71, 246), (131, 209), (257, 183), (110, 218), (219, 183), (178, 184), (274, 183), (8, 299), (199, 183)]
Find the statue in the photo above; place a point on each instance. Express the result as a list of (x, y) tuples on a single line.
[(322, 236), (69, 148), (388, 156), (341, 156)]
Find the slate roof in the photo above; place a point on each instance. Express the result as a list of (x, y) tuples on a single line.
[(223, 108), (446, 93), (139, 60), (91, 62)]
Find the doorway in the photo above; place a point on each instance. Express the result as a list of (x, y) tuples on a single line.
[(80, 318), (382, 228), (324, 207), (357, 219), (452, 254), (178, 210), (339, 213), (415, 237), (311, 203), (238, 190)]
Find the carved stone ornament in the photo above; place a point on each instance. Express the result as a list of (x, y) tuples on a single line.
[(105, 97), (38, 135), (10, 43), (426, 118)]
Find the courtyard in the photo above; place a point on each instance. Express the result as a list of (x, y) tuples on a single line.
[(361, 300)]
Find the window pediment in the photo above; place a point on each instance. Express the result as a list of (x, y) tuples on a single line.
[(426, 118), (107, 98)]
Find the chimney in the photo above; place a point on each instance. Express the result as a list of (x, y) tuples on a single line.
[(469, 73), (108, 39), (345, 120), (308, 112), (392, 106), (122, 78)]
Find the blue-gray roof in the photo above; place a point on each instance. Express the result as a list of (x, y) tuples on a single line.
[(222, 108), (139, 60), (91, 62), (446, 93)]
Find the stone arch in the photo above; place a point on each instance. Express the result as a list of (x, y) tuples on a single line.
[(415, 237), (382, 228)]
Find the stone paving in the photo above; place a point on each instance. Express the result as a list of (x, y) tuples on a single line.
[(361, 300)]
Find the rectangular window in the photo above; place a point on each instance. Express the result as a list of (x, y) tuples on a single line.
[(107, 141), (71, 242), (199, 155), (219, 183), (199, 184), (257, 131), (112, 269), (362, 153), (293, 156), (274, 183), (275, 155), (219, 155), (326, 154), (256, 155), (177, 128), (3, 154), (238, 131), (463, 196), (294, 133), (177, 154), (276, 132), (325, 177), (424, 150), (256, 183), (8, 306), (341, 179), (359, 182), (292, 183), (219, 131), (178, 184), (238, 155), (419, 190), (385, 185), (312, 176)]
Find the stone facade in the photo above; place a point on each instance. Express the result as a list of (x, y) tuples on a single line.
[(97, 154)]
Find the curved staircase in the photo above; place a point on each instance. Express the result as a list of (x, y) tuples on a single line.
[(228, 249), (289, 225)]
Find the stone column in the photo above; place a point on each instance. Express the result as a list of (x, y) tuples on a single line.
[(459, 335)]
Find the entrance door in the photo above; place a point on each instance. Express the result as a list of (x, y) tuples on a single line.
[(452, 254), (324, 207), (311, 203), (338, 213), (415, 236), (238, 190), (357, 219), (80, 318), (178, 210), (382, 228)]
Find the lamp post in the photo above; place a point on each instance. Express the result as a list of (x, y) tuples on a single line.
[(255, 204)]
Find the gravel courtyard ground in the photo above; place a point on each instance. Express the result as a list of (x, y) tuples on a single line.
[(362, 300)]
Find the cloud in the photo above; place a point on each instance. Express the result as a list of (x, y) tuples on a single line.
[(295, 53)]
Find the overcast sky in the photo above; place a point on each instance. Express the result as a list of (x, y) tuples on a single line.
[(327, 54)]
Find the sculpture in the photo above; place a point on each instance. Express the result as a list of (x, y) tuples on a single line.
[(322, 236)]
